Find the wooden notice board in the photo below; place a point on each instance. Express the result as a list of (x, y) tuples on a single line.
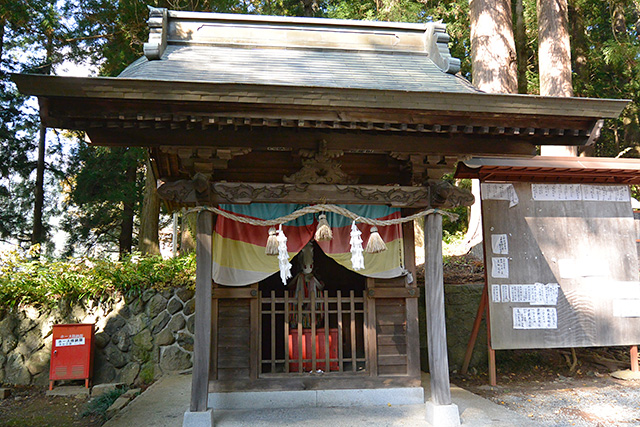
[(562, 266)]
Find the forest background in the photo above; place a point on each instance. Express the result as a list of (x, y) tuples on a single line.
[(101, 197)]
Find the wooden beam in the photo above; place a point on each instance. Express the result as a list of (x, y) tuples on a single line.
[(434, 296), (184, 192), (358, 141), (203, 319)]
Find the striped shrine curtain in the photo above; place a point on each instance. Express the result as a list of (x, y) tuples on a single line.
[(239, 249)]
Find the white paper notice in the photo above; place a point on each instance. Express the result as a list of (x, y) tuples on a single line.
[(499, 192), (626, 307), (505, 293), (605, 193), (535, 318), (548, 192), (495, 293), (500, 244), (500, 268), (536, 294)]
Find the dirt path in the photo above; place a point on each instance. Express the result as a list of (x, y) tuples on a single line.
[(29, 407)]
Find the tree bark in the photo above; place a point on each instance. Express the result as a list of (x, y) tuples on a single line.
[(187, 233), (493, 52), (521, 48), (578, 42), (494, 70), (37, 235), (149, 216), (2, 24), (126, 230), (554, 59)]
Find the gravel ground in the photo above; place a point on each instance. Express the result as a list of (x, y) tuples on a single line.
[(588, 401)]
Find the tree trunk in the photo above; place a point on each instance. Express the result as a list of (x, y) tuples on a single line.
[(521, 48), (554, 58), (2, 24), (188, 233), (37, 235), (494, 69), (578, 42), (150, 216), (493, 52), (126, 231)]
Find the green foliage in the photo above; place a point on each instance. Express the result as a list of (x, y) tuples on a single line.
[(43, 282), (98, 406)]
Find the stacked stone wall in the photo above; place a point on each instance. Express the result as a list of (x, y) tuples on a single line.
[(137, 339)]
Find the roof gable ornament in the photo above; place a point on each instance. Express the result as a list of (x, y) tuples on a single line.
[(158, 27), (437, 47)]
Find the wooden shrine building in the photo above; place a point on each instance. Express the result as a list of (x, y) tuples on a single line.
[(259, 116)]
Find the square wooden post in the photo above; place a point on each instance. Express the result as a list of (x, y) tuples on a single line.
[(439, 411), (202, 344)]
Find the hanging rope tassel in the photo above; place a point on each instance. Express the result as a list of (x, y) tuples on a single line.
[(283, 256), (376, 243), (357, 260), (272, 243), (323, 232)]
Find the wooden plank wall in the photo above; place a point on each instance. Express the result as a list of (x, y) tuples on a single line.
[(394, 348), (235, 338)]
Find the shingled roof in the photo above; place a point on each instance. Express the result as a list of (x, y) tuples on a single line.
[(303, 52)]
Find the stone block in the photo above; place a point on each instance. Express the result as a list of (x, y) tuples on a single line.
[(101, 339), (4, 393), (191, 324), (198, 419), (15, 371), (129, 373), (7, 325), (76, 390), (148, 294), (165, 337), (173, 359), (117, 406), (136, 306), (29, 342), (115, 356), (137, 323), (185, 294), (185, 340), (442, 415), (100, 389), (190, 307), (132, 393), (103, 371), (176, 323), (156, 305), (114, 324), (143, 340), (9, 343), (160, 322), (38, 361), (122, 340), (174, 305)]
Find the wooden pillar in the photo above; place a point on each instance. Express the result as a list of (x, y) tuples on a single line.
[(202, 344), (434, 296)]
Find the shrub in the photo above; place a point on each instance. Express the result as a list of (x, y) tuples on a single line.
[(99, 405), (41, 282)]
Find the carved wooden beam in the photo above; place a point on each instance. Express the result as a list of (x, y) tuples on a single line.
[(184, 192), (446, 195)]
